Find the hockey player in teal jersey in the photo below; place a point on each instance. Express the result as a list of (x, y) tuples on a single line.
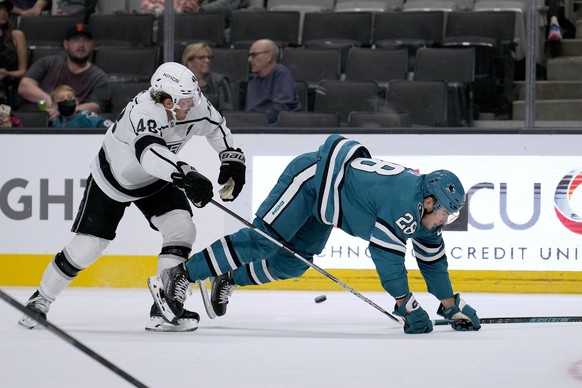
[(339, 185)]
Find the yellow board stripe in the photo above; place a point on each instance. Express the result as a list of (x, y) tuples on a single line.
[(132, 272)]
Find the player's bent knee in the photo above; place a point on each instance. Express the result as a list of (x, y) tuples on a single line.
[(84, 249), (176, 228)]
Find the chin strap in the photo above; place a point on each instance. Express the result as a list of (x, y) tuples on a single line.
[(173, 112)]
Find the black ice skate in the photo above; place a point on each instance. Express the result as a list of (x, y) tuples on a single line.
[(39, 305), (188, 321), (169, 292), (222, 287)]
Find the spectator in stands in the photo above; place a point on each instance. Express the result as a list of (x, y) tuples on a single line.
[(271, 88), (191, 6), (13, 51), (226, 6), (7, 118), (215, 87), (554, 30), (157, 6), (29, 7), (69, 116), (74, 69), (74, 7)]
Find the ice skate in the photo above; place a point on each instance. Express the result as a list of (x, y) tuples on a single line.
[(169, 292), (222, 288), (39, 305), (188, 321)]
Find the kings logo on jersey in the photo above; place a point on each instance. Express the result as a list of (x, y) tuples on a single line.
[(175, 147)]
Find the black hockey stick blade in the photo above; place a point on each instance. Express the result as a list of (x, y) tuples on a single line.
[(557, 319), (67, 338)]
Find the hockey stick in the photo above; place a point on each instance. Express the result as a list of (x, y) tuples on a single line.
[(558, 319), (60, 333), (309, 263)]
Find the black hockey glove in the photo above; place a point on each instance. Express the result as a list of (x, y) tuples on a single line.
[(196, 186), (232, 173)]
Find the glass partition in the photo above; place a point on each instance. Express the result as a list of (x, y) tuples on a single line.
[(525, 74)]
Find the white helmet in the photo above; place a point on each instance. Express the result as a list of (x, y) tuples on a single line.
[(177, 81)]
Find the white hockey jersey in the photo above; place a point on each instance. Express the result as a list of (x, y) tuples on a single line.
[(139, 151)]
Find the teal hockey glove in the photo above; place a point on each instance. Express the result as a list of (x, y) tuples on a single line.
[(465, 316), (415, 317)]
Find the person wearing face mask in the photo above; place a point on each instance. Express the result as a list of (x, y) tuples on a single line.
[(69, 117)]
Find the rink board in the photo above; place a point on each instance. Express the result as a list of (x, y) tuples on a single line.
[(514, 235), (132, 272)]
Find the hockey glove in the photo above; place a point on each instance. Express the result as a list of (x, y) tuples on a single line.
[(465, 316), (416, 319), (232, 173), (196, 186)]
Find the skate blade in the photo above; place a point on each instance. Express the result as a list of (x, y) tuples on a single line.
[(156, 288), (158, 324), (206, 298)]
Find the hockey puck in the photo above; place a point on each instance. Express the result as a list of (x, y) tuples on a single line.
[(320, 298)]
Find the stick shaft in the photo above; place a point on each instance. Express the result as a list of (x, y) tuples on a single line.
[(309, 263), (557, 319), (67, 338)]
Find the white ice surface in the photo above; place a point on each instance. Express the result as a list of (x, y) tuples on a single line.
[(284, 339)]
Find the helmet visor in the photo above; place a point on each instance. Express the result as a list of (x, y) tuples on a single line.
[(190, 102), (446, 216)]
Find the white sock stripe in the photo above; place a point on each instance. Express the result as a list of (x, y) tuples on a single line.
[(213, 261), (267, 272), (229, 257), (254, 274)]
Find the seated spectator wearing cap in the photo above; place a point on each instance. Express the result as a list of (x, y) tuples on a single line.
[(13, 51), (29, 7), (74, 69), (215, 87), (69, 116)]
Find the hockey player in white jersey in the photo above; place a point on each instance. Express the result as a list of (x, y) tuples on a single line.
[(138, 164)]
